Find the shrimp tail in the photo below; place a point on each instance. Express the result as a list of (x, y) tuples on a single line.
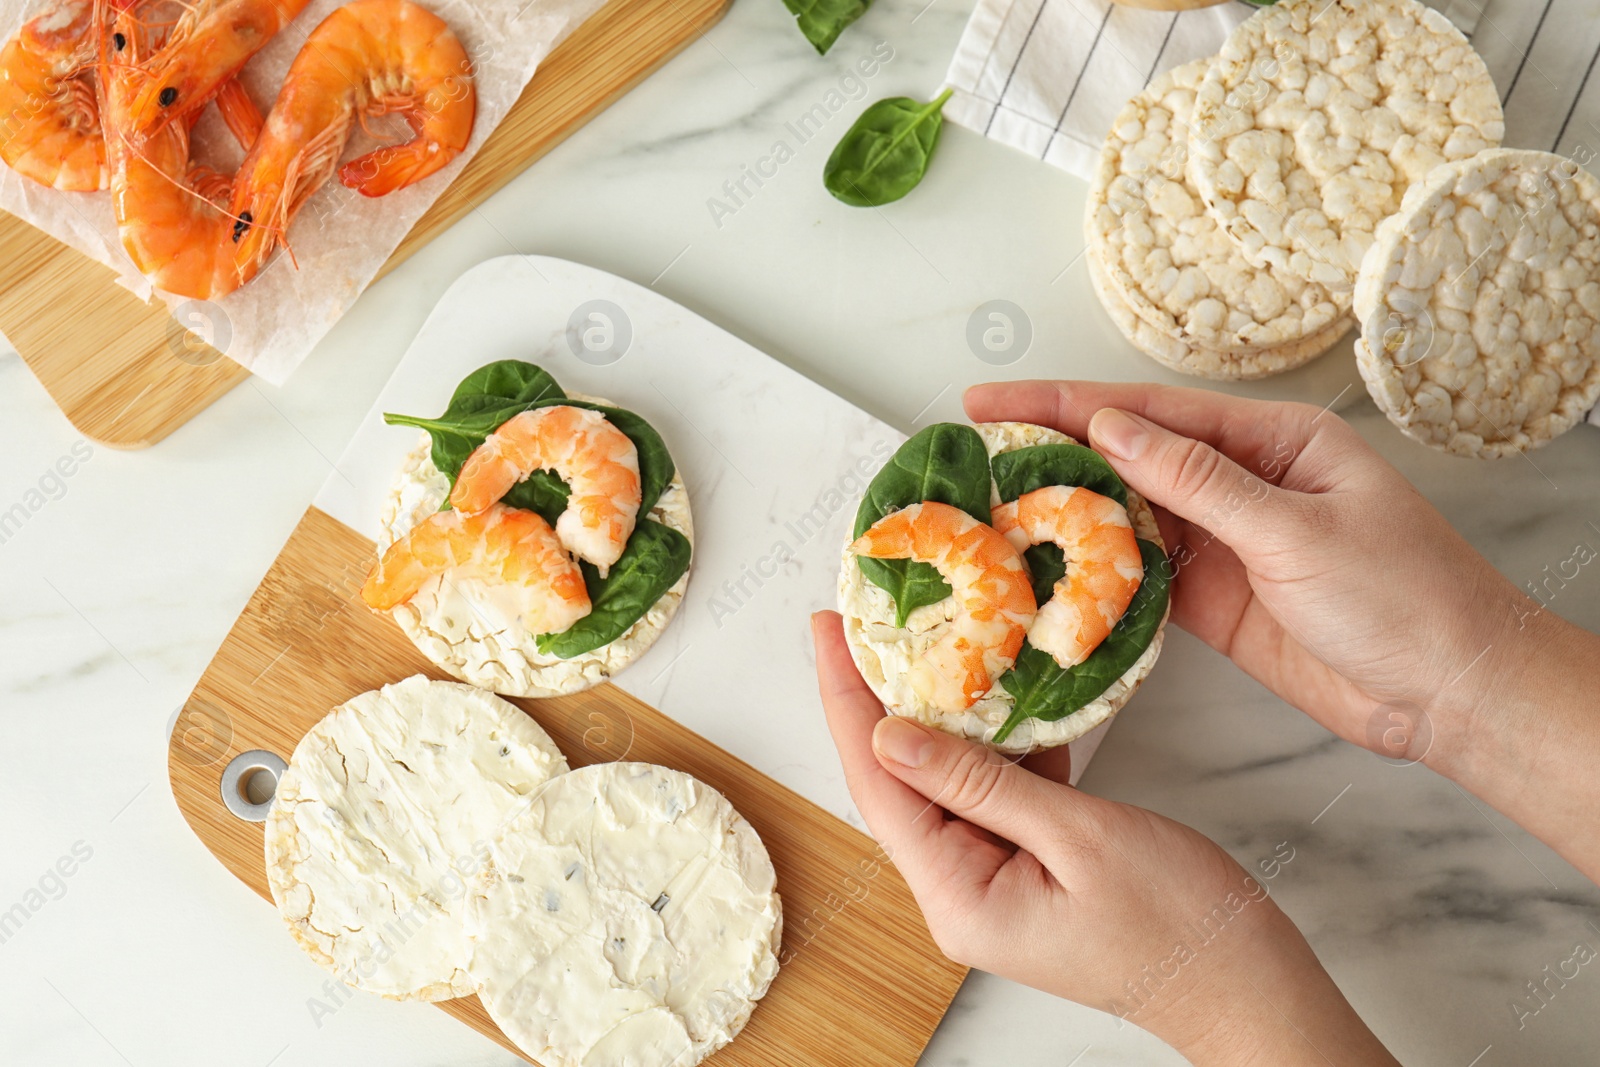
[(383, 170)]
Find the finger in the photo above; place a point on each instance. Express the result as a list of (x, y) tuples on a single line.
[(1190, 478), (1263, 436), (913, 831), (979, 785)]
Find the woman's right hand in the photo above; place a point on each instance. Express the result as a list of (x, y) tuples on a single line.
[(1307, 559)]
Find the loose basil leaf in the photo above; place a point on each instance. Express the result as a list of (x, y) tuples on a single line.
[(1040, 687), (1023, 470), (885, 153), (945, 462), (822, 21), (654, 560)]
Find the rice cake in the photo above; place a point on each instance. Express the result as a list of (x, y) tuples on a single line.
[(883, 653), (383, 819), (1316, 117), (1480, 304), (630, 917), (473, 634), (1198, 305), (1233, 366)]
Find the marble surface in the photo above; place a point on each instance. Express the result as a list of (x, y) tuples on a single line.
[(122, 578)]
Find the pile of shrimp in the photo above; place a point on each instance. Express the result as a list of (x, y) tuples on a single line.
[(995, 606), (484, 539), (102, 95)]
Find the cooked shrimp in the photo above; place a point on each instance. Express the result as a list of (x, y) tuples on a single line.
[(203, 235), (503, 545), (1104, 568), (994, 599), (49, 117), (367, 58), (206, 46), (50, 131), (597, 460)]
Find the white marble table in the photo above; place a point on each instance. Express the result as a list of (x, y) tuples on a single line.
[(121, 582)]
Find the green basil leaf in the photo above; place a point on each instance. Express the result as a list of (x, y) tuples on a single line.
[(886, 152), (655, 462), (822, 21), (1040, 687), (1046, 566), (1023, 470), (509, 381), (542, 491), (491, 395), (946, 462), (656, 557)]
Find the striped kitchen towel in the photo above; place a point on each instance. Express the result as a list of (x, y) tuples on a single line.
[(1048, 76)]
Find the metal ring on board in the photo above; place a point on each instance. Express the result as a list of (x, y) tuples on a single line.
[(237, 775)]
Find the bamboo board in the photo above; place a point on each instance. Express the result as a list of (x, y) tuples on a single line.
[(861, 984), (126, 375)]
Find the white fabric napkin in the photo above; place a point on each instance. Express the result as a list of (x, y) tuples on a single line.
[(1048, 76)]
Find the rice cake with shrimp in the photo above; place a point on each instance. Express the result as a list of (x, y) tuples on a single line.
[(884, 652), (1175, 284), (472, 632), (629, 918), (1480, 304), (1316, 117), (371, 881)]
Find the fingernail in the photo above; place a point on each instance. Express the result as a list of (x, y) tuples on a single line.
[(902, 741), (1123, 435)]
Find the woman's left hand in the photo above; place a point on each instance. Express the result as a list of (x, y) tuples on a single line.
[(1105, 904)]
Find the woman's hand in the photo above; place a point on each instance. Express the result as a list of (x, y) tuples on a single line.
[(1103, 903), (1316, 567)]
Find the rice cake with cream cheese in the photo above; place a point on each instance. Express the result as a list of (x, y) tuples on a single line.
[(883, 652), (1198, 304), (1480, 304), (629, 917), (1318, 115), (473, 634), (384, 817)]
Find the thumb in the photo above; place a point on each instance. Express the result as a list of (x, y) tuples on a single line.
[(1189, 478), (976, 783)]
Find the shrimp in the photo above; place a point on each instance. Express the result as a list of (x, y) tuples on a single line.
[(597, 460), (1104, 568), (203, 235), (50, 129), (366, 59), (207, 45), (994, 598), (502, 545), (49, 117)]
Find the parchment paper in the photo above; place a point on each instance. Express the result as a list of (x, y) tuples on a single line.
[(340, 239)]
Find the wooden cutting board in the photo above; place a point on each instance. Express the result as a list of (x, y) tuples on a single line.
[(861, 984), (126, 375)]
